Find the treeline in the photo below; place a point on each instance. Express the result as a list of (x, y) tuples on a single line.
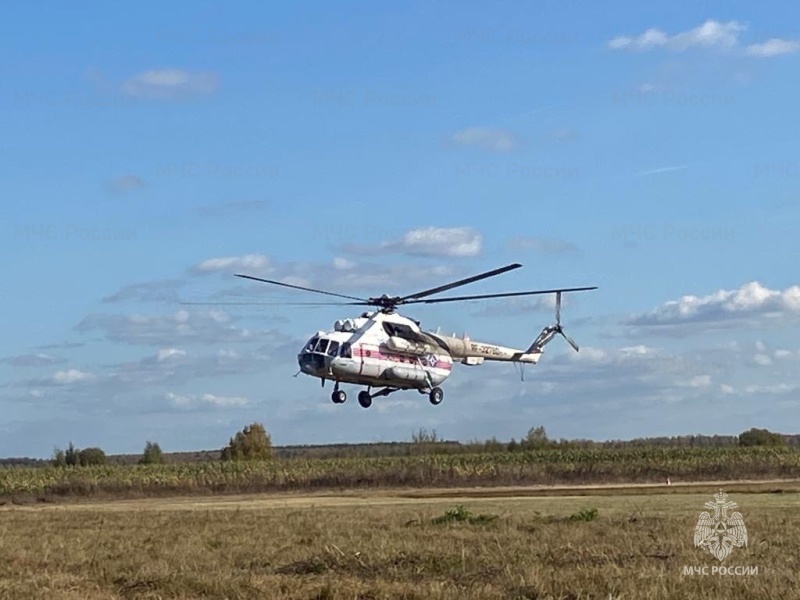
[(552, 466), (421, 442)]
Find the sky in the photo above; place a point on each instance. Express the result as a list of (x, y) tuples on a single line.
[(367, 148)]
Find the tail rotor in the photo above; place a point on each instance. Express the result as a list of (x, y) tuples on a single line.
[(558, 328), (548, 333)]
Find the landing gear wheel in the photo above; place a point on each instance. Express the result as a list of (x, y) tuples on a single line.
[(364, 399), (338, 397), (436, 396)]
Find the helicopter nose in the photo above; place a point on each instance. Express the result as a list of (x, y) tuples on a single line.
[(311, 363)]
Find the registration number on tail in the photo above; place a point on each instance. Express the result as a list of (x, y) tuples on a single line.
[(484, 349)]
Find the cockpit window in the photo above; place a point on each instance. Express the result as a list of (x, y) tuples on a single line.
[(322, 346), (311, 343), (346, 351), (333, 348)]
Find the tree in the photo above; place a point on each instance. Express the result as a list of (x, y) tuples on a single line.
[(761, 437), (71, 456), (423, 436), (493, 445), (92, 456), (251, 443), (536, 438), (59, 458), (152, 454)]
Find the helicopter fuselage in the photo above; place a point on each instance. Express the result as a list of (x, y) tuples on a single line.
[(391, 351)]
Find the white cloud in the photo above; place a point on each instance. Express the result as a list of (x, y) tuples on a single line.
[(343, 263), (700, 381), (711, 34), (170, 83), (495, 140), (179, 399), (435, 242), (595, 355), (193, 401), (225, 400), (169, 353), (71, 376), (773, 47), (751, 301), (708, 35), (439, 241), (762, 359), (249, 262), (640, 350)]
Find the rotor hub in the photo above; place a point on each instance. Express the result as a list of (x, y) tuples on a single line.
[(385, 301)]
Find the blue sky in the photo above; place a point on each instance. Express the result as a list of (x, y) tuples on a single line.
[(151, 154)]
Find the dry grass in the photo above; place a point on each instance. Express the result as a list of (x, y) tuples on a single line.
[(389, 547)]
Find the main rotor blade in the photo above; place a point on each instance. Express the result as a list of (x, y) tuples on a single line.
[(298, 287), (502, 295), (450, 286), (276, 303)]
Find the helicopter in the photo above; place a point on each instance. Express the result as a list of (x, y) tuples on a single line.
[(386, 350)]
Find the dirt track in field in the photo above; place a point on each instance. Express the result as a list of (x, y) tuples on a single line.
[(364, 498)]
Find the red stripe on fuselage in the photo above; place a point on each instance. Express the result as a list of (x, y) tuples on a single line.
[(377, 353)]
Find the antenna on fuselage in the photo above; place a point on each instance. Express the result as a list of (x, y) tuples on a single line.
[(520, 368)]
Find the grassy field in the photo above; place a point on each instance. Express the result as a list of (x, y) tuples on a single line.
[(393, 545), (536, 467)]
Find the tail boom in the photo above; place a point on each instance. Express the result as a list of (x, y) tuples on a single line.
[(465, 349)]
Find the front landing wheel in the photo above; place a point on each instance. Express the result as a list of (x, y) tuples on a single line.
[(338, 397), (436, 396)]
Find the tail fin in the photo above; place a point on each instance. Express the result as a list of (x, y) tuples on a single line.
[(547, 334)]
